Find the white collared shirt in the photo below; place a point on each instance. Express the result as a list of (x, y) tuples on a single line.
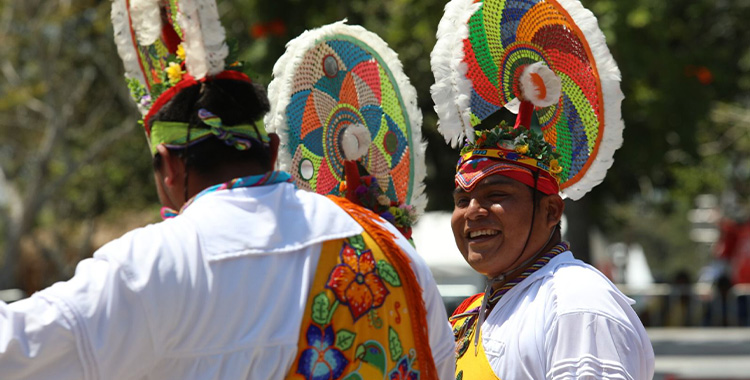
[(215, 293), (567, 321)]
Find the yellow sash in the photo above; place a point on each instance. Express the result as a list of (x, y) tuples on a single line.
[(468, 365), (362, 321)]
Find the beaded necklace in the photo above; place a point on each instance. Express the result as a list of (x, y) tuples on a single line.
[(462, 332)]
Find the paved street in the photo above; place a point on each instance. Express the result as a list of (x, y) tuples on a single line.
[(701, 353)]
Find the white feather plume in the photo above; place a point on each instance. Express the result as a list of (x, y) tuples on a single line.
[(609, 75), (451, 92), (355, 141), (204, 37), (281, 88), (145, 16), (126, 47), (531, 90)]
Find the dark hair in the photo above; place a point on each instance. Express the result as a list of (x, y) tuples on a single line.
[(235, 102)]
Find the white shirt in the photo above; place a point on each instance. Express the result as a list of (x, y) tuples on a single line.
[(566, 321), (215, 293)]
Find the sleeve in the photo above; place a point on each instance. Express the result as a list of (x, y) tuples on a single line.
[(39, 340), (440, 333), (91, 325), (585, 345)]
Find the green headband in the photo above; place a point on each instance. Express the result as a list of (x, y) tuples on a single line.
[(174, 134)]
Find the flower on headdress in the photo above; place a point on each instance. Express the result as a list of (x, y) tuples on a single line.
[(522, 148), (145, 101), (174, 72), (180, 52), (554, 167), (383, 200)]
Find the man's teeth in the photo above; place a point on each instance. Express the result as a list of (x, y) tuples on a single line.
[(474, 234)]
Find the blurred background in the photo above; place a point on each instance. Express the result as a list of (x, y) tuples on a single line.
[(670, 224)]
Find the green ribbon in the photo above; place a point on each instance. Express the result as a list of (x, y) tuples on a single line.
[(174, 134)]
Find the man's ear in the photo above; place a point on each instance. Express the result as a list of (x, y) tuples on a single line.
[(172, 167), (273, 147), (554, 206)]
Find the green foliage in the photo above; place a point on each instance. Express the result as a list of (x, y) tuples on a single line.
[(685, 69), (508, 137)]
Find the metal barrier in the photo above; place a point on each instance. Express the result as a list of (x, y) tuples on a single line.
[(665, 305)]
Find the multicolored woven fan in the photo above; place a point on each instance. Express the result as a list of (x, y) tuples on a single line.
[(484, 55), (339, 95)]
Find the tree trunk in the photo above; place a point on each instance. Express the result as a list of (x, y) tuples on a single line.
[(578, 225)]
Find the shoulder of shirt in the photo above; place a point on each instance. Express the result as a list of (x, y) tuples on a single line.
[(574, 286), (227, 224), (269, 219), (418, 262)]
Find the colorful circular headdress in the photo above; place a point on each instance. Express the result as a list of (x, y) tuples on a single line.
[(542, 57), (339, 98), (169, 45)]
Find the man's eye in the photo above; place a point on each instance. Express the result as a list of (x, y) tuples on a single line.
[(461, 202)]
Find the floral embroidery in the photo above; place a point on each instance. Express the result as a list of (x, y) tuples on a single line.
[(323, 361), (403, 371), (356, 282)]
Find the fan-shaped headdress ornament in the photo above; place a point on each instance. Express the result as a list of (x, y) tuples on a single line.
[(341, 104), (542, 57), (169, 45)]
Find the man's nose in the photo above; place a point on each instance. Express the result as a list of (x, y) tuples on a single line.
[(475, 210)]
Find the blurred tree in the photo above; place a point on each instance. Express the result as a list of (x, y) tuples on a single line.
[(71, 153), (681, 63), (63, 107)]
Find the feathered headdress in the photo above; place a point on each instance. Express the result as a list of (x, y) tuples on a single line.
[(546, 58), (341, 104), (168, 45)]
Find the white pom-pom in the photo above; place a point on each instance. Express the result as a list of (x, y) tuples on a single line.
[(540, 85), (146, 18), (355, 141)]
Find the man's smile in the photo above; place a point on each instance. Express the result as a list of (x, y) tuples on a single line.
[(481, 234)]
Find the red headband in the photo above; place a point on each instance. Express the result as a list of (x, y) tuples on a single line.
[(472, 171)]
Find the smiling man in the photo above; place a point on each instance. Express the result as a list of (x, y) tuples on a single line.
[(544, 314)]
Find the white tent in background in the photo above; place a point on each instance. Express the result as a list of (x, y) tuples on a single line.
[(637, 272), (433, 238)]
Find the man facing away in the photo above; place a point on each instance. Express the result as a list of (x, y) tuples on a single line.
[(250, 279), (544, 314)]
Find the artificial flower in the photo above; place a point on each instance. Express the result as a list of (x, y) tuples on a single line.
[(174, 72), (180, 52)]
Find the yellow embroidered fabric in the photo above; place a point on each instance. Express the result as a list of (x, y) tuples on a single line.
[(357, 323), (468, 365)]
